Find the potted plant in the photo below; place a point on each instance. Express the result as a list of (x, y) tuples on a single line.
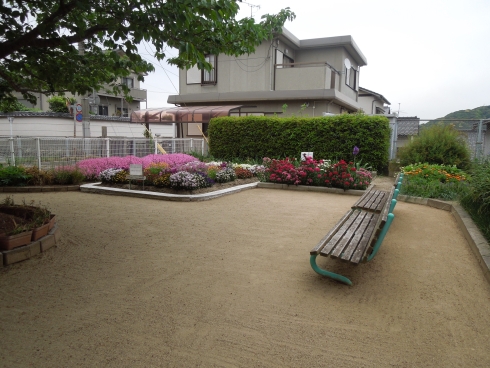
[(21, 224), (40, 222), (20, 235)]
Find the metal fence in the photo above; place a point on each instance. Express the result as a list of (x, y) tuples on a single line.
[(54, 152)]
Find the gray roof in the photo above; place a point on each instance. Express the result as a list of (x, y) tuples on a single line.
[(366, 92), (408, 125), (339, 41), (60, 115)]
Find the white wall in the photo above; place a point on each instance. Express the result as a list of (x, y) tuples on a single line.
[(64, 127)]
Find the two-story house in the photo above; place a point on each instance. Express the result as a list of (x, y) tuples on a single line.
[(312, 77), (372, 102), (106, 104)]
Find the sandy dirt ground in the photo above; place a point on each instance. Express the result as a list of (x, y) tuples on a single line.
[(227, 283)]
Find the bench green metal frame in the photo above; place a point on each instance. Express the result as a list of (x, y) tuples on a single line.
[(384, 230)]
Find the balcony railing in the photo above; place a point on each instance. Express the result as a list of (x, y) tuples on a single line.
[(136, 93), (299, 76)]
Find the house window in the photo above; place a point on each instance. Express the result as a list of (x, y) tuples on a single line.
[(103, 110), (351, 78), (281, 58), (129, 82), (210, 77), (196, 76), (124, 112)]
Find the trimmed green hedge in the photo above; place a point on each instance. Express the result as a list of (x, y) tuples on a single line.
[(331, 137)]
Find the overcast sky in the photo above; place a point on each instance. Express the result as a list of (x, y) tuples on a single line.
[(427, 57)]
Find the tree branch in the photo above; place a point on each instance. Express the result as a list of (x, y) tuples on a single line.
[(11, 46)]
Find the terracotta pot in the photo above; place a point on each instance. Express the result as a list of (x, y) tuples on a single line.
[(8, 242), (39, 232), (52, 222)]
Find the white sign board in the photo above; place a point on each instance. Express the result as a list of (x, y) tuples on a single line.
[(306, 154), (136, 169)]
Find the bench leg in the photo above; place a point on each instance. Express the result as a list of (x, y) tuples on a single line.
[(382, 235), (322, 272)]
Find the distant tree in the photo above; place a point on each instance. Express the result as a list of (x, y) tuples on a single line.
[(9, 106), (60, 104), (482, 112), (439, 144), (39, 38)]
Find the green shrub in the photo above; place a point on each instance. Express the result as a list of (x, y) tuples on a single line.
[(439, 144), (13, 176), (333, 137), (58, 103), (68, 176), (477, 201), (9, 106)]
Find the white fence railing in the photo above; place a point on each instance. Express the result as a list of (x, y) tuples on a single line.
[(54, 152)]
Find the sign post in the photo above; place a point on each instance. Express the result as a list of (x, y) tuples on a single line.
[(77, 116)]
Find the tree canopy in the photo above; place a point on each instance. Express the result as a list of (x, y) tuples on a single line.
[(39, 40)]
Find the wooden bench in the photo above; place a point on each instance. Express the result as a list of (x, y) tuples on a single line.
[(358, 235)]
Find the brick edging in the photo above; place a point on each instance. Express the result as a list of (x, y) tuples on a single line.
[(473, 235), (8, 257)]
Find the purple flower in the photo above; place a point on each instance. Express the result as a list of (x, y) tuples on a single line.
[(356, 150)]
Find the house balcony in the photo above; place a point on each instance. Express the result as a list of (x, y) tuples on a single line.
[(310, 76), (136, 93)]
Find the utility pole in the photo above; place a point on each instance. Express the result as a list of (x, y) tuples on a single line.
[(251, 7), (85, 103)]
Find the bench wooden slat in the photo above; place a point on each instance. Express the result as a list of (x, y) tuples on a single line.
[(355, 244), (373, 200), (384, 213), (366, 239), (347, 240), (377, 201), (397, 179), (364, 198), (332, 243), (327, 237)]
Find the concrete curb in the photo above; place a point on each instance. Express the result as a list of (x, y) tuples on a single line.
[(37, 189), (473, 235), (307, 188), (95, 188)]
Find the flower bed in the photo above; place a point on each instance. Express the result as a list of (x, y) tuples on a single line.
[(173, 173), (179, 172), (434, 181), (344, 175), (21, 224)]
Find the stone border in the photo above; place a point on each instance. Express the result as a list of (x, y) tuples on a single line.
[(473, 235), (95, 188), (7, 257), (307, 188), (37, 189)]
